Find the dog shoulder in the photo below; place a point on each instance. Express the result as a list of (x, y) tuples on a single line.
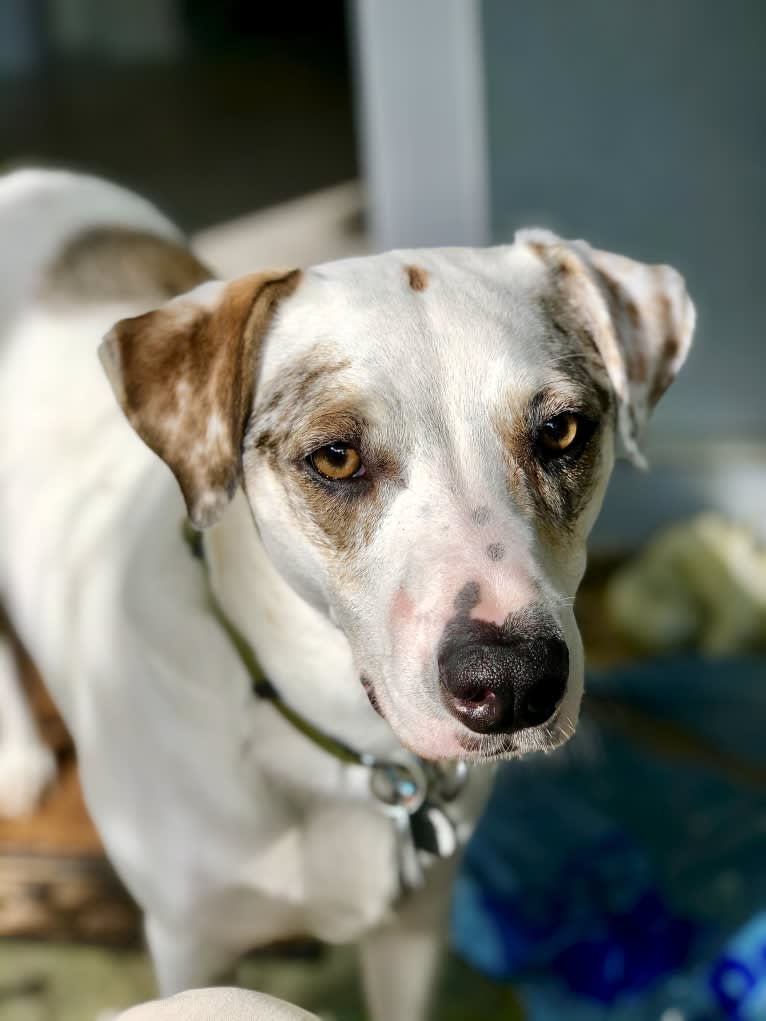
[(79, 239), (120, 264)]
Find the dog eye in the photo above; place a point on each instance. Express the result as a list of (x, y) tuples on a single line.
[(337, 462), (566, 433)]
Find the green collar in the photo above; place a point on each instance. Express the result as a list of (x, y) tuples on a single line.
[(414, 793), (261, 686)]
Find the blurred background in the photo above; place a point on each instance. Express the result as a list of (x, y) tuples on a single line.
[(296, 133)]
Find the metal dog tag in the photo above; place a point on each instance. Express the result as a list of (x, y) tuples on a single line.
[(446, 779), (411, 794), (397, 785), (408, 861), (433, 831), (401, 789)]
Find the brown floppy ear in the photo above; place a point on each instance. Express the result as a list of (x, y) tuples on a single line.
[(184, 376), (638, 317)]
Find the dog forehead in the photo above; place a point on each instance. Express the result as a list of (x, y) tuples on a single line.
[(392, 270), (415, 306), (417, 327)]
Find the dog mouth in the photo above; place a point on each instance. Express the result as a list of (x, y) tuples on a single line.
[(369, 690), (486, 748), (494, 747)]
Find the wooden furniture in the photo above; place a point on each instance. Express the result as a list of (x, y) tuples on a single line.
[(55, 882)]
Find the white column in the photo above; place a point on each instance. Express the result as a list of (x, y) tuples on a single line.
[(421, 119)]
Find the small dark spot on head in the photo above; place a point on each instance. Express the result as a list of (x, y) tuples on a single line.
[(417, 277), (468, 597), (495, 551), (481, 516)]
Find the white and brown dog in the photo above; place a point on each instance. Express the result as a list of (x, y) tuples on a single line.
[(397, 461)]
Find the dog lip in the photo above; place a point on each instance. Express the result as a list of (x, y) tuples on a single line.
[(369, 690), (474, 745)]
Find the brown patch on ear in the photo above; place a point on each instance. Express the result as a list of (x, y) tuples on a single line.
[(639, 318), (417, 277), (649, 329), (184, 376), (626, 317)]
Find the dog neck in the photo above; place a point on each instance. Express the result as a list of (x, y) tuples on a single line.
[(304, 656)]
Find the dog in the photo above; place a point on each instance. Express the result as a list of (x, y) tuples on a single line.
[(391, 465)]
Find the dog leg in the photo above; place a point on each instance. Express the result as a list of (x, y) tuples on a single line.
[(27, 765), (400, 960), (183, 960)]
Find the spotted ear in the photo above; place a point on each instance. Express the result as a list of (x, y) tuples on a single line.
[(638, 318), (184, 376)]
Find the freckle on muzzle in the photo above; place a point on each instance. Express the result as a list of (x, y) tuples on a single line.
[(499, 680)]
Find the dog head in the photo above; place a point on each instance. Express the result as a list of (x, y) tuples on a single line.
[(424, 439)]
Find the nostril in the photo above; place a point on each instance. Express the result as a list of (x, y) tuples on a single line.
[(471, 672), (542, 699), (504, 687), (476, 687), (482, 711), (476, 696), (481, 702)]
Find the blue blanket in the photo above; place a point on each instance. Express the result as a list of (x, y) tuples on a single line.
[(624, 877)]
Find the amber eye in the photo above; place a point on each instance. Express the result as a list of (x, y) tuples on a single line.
[(337, 461), (560, 434)]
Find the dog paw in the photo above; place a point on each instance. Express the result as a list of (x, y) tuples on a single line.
[(25, 771), (343, 902)]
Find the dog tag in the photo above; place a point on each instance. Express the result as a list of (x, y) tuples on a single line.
[(433, 831), (408, 860), (446, 779), (398, 786), (401, 789)]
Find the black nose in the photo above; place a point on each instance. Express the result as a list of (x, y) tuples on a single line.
[(502, 687)]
